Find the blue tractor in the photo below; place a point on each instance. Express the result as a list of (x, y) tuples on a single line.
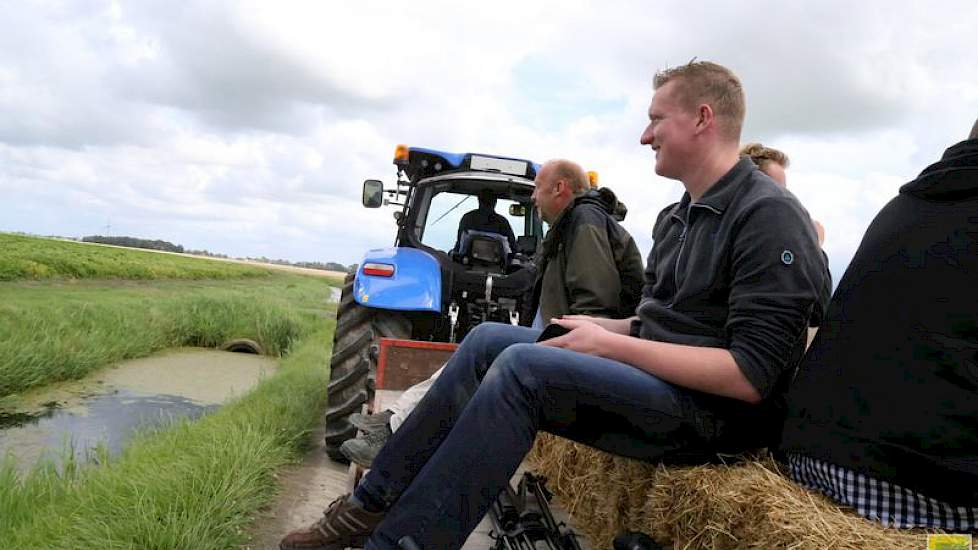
[(438, 280)]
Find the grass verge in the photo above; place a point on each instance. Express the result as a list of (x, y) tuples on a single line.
[(55, 332), (193, 486), (23, 257)]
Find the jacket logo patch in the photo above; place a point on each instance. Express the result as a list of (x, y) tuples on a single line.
[(787, 257)]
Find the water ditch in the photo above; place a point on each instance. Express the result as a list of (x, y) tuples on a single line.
[(105, 409)]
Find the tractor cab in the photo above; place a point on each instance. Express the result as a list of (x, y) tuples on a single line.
[(439, 190), (463, 254)]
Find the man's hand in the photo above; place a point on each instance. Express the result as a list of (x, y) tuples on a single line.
[(585, 336), (618, 326), (710, 370)]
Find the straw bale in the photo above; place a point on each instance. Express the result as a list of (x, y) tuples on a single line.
[(749, 504)]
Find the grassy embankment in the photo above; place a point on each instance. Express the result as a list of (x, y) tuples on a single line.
[(96, 305), (193, 485), (64, 331)]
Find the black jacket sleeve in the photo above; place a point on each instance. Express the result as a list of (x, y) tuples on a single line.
[(776, 276)]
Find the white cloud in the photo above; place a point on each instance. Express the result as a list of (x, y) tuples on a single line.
[(247, 127)]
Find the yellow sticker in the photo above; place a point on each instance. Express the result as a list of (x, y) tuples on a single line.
[(949, 542), (365, 298)]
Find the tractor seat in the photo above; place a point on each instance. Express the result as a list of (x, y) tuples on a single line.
[(483, 250)]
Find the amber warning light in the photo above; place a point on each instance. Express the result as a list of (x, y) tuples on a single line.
[(401, 154)]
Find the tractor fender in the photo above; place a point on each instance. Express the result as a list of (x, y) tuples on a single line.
[(414, 286)]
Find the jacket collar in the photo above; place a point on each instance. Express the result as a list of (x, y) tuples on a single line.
[(547, 248), (605, 202), (718, 197)]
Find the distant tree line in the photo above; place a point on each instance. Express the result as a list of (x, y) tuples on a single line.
[(327, 266), (207, 253), (133, 242)]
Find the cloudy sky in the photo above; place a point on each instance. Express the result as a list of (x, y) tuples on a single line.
[(247, 128)]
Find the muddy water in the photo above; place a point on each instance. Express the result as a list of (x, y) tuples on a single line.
[(106, 409), (335, 293)]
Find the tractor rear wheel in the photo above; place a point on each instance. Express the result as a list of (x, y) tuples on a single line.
[(353, 366)]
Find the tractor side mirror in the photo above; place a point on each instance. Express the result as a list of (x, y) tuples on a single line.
[(373, 193), (517, 209)]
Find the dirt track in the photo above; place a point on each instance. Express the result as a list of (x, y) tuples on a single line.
[(308, 487)]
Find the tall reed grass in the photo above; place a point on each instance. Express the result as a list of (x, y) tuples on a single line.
[(192, 486), (50, 333)]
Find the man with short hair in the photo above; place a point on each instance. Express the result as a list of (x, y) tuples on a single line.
[(731, 280), (588, 265), (883, 415), (770, 160)]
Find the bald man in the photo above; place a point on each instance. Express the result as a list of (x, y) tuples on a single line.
[(589, 264)]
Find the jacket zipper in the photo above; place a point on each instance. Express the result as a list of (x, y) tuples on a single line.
[(675, 270), (682, 240), (679, 257)]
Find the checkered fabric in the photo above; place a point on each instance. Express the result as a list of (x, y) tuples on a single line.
[(887, 503)]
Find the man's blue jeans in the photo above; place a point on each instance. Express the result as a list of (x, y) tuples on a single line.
[(439, 473)]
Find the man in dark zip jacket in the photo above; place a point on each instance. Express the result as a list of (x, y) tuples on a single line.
[(883, 416)]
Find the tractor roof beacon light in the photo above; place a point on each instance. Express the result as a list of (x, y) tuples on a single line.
[(592, 179), (401, 154)]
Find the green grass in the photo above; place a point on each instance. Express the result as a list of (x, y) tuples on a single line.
[(35, 258), (194, 486), (52, 332)]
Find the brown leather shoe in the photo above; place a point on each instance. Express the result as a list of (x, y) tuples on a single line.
[(344, 525)]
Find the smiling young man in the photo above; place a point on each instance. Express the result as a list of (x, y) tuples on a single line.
[(730, 283)]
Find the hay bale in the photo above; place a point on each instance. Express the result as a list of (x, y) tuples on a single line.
[(751, 504)]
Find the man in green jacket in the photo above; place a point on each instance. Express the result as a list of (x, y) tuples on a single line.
[(588, 265)]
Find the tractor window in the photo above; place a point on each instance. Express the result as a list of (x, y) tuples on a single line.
[(445, 214)]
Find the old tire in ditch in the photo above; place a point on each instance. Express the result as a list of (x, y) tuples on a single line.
[(353, 366)]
